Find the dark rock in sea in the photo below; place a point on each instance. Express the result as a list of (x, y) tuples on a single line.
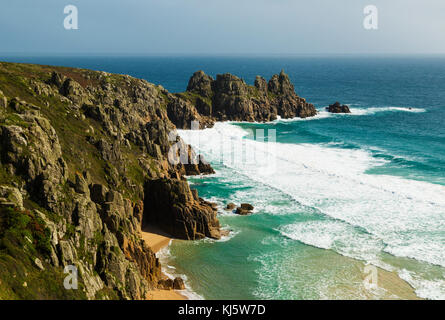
[(246, 206), (338, 108), (230, 206), (242, 212), (178, 284), (244, 209)]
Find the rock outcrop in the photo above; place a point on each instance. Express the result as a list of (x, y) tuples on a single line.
[(177, 210), (229, 98), (81, 152), (338, 108), (244, 209), (87, 157), (230, 206)]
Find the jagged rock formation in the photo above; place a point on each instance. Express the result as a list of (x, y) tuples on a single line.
[(179, 211), (77, 150), (338, 108), (229, 98), (87, 157)]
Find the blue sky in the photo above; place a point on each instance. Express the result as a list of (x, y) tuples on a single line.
[(222, 27)]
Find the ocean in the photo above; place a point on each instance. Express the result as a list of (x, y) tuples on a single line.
[(345, 190)]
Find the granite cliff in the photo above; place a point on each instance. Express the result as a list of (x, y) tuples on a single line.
[(229, 98), (84, 164)]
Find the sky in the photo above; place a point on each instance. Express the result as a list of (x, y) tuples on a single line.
[(219, 27)]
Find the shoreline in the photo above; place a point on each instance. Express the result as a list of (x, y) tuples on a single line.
[(393, 286), (157, 240)]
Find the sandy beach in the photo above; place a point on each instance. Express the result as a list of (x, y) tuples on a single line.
[(157, 240), (394, 285)]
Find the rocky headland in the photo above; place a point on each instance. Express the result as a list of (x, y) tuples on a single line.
[(228, 97), (85, 165)]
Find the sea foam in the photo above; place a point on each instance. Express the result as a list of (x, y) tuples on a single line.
[(355, 111), (405, 218)]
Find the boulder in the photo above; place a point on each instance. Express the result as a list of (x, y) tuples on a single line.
[(165, 284), (242, 212), (244, 209), (230, 206), (178, 284), (338, 108), (246, 206)]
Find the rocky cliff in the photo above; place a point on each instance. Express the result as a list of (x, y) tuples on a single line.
[(85, 161), (229, 98), (78, 148)]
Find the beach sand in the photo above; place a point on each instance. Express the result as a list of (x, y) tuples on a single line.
[(394, 285), (157, 240)]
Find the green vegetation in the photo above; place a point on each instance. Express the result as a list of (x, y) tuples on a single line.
[(86, 115), (23, 239)]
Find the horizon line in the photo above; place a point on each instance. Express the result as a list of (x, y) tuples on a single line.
[(179, 54)]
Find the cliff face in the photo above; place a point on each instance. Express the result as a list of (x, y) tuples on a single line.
[(229, 98), (179, 210), (78, 148), (84, 163)]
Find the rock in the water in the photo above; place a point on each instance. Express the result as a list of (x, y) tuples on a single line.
[(244, 209), (230, 206), (242, 212), (178, 284), (246, 206), (338, 108)]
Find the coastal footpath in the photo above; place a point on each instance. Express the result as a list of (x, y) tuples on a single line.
[(84, 169)]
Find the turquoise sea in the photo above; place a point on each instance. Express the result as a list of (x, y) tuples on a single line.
[(342, 191)]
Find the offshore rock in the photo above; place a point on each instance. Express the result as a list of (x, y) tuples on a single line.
[(229, 98), (338, 108)]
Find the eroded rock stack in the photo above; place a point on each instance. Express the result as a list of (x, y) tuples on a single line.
[(229, 98)]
